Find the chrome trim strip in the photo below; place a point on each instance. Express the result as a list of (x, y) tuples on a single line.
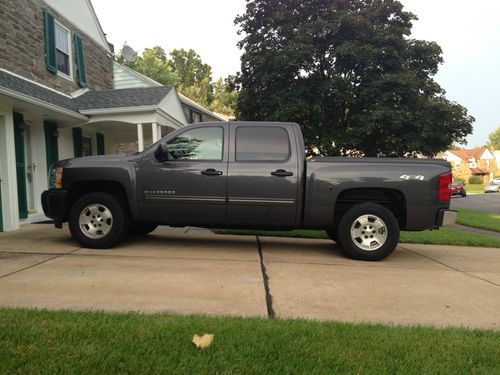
[(262, 200), (184, 198)]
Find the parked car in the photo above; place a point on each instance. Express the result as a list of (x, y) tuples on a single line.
[(458, 189), (249, 175), (492, 187)]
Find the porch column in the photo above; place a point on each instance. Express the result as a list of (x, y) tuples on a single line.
[(140, 137), (8, 175), (154, 129)]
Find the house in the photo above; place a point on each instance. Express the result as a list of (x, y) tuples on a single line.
[(479, 162), (58, 99)]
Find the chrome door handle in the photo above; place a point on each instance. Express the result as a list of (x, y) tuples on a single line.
[(211, 172), (281, 173)]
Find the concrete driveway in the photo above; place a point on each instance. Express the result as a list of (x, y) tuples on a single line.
[(480, 202), (199, 272)]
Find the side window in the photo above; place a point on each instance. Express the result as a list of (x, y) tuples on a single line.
[(259, 143), (197, 144)]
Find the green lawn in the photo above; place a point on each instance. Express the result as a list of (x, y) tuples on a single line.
[(479, 219), (474, 188), (35, 342), (443, 236)]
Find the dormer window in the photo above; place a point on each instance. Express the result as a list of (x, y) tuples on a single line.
[(63, 49)]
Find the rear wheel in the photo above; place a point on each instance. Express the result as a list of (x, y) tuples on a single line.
[(368, 231), (98, 220)]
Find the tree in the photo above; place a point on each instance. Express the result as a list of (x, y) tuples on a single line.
[(494, 139), (224, 98), (185, 70), (154, 64), (347, 71)]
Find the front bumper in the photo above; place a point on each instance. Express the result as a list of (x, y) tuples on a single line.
[(447, 217), (54, 205)]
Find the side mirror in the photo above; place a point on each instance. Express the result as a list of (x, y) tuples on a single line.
[(161, 153)]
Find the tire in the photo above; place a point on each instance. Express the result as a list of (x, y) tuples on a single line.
[(381, 225), (464, 194), (105, 213), (142, 229), (333, 234)]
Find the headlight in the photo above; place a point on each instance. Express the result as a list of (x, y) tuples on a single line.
[(55, 178)]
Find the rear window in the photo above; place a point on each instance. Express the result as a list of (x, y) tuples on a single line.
[(262, 143)]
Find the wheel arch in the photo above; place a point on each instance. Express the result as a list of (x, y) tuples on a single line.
[(394, 200)]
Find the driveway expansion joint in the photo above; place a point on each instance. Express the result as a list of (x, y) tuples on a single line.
[(450, 267), (265, 278), (38, 263)]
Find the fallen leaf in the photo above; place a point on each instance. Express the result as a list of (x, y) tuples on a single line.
[(203, 341)]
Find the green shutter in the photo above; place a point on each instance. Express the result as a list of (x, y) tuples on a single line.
[(50, 42), (80, 62), (22, 197), (100, 143), (51, 147), (77, 142)]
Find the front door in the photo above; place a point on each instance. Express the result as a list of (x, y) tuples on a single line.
[(189, 187), (263, 176), (20, 165)]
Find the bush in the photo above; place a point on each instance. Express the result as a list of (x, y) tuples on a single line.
[(475, 180), (461, 180)]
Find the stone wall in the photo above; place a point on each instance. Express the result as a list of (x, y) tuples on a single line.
[(22, 48)]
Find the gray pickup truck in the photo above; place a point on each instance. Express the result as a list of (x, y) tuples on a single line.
[(248, 175)]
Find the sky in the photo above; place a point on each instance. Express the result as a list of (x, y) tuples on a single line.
[(467, 31)]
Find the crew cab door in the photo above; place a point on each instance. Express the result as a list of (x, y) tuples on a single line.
[(190, 186), (263, 175)]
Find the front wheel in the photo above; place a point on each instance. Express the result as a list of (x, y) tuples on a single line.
[(368, 231), (98, 220)]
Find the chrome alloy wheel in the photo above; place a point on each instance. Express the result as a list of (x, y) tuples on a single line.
[(369, 232), (95, 221)]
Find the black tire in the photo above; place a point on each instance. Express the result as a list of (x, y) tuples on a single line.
[(116, 226), (464, 194), (385, 232), (333, 233), (141, 229)]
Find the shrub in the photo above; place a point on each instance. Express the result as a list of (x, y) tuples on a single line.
[(475, 180)]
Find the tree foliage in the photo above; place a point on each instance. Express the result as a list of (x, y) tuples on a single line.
[(494, 139), (349, 73), (185, 70)]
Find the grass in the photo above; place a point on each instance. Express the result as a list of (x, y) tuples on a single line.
[(443, 236), (479, 219), (34, 342), (474, 188)]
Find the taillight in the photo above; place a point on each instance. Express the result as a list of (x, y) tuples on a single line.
[(444, 187)]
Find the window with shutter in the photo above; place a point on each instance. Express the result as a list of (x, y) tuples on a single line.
[(100, 143), (77, 142)]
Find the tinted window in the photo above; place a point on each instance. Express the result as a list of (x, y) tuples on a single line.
[(262, 143), (197, 144)]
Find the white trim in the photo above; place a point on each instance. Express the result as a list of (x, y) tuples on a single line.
[(35, 83), (70, 52), (101, 111), (140, 138), (190, 103), (43, 104), (169, 117)]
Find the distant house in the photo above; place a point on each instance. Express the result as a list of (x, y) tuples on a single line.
[(479, 162), (59, 99)]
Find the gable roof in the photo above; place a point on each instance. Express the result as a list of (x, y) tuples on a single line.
[(123, 76), (135, 97), (475, 153)]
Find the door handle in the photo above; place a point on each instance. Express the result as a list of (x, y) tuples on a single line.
[(211, 172), (281, 173)]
